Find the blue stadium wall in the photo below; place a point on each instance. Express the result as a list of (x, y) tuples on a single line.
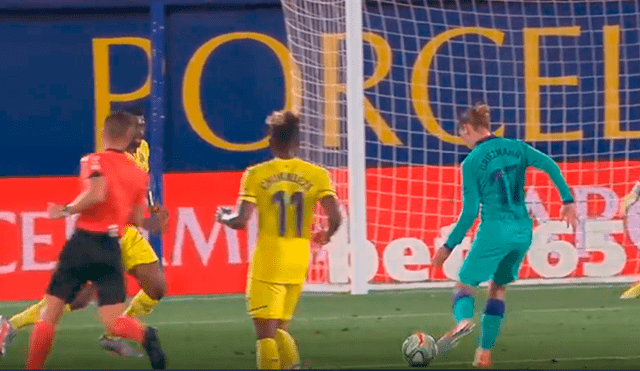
[(64, 64), (64, 67)]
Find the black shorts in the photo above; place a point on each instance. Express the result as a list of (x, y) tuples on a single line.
[(94, 257)]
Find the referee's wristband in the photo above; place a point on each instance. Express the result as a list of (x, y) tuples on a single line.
[(447, 247), (568, 202)]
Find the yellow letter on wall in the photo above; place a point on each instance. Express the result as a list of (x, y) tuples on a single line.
[(191, 87), (611, 47), (420, 79), (333, 88), (102, 80), (533, 81)]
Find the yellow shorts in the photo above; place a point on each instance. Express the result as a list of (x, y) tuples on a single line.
[(136, 249), (272, 300)]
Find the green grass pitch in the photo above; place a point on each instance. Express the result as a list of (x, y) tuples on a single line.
[(579, 327)]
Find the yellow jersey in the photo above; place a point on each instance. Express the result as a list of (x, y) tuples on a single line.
[(141, 156), (285, 192)]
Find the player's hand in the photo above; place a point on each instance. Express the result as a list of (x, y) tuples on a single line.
[(627, 202), (321, 237), (55, 211), (570, 215), (224, 214), (441, 256), (161, 214)]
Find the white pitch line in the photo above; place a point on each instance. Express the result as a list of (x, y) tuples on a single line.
[(243, 320), (440, 290), (576, 309), (536, 360), (334, 318), (241, 297), (18, 304)]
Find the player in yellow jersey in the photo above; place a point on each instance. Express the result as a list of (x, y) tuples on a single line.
[(285, 192), (139, 260), (632, 292)]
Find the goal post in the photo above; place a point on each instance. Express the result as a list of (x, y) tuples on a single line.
[(381, 85), (356, 145)]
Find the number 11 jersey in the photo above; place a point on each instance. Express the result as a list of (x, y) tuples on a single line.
[(285, 192)]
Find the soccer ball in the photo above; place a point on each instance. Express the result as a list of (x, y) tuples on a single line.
[(419, 349)]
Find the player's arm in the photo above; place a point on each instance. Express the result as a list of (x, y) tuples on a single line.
[(470, 207), (239, 219), (247, 203), (543, 162), (95, 194), (329, 202), (159, 215), (137, 216), (332, 211)]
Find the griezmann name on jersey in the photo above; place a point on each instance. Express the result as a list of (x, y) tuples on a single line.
[(493, 175), (285, 192)]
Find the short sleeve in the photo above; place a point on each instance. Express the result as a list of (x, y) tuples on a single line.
[(91, 166), (325, 185), (248, 187)]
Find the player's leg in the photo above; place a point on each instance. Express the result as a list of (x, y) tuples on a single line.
[(141, 261), (506, 272), (111, 297), (32, 314), (287, 347), (43, 333), (632, 292), (479, 265), (27, 317), (463, 307), (490, 325), (153, 288), (66, 282), (265, 305), (9, 326), (83, 298), (130, 328)]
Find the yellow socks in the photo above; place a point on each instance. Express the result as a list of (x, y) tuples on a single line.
[(140, 305), (287, 349), (267, 357), (278, 352), (632, 293), (31, 315), (28, 316)]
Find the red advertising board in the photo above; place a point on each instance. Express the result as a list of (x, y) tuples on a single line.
[(202, 257)]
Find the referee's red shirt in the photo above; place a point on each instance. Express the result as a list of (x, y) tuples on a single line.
[(126, 186)]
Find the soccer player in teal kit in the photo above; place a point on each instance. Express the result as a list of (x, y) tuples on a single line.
[(493, 175)]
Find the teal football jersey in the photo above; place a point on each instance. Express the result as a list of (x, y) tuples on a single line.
[(493, 175)]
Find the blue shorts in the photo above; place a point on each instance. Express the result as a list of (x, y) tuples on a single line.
[(496, 253)]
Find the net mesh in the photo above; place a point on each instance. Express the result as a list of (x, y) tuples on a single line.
[(560, 75)]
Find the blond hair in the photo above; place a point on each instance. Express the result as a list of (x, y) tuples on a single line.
[(477, 116)]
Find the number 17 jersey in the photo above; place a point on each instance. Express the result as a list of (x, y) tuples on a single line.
[(285, 192), (493, 175)]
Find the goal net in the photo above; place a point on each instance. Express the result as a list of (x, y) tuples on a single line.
[(561, 75)]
